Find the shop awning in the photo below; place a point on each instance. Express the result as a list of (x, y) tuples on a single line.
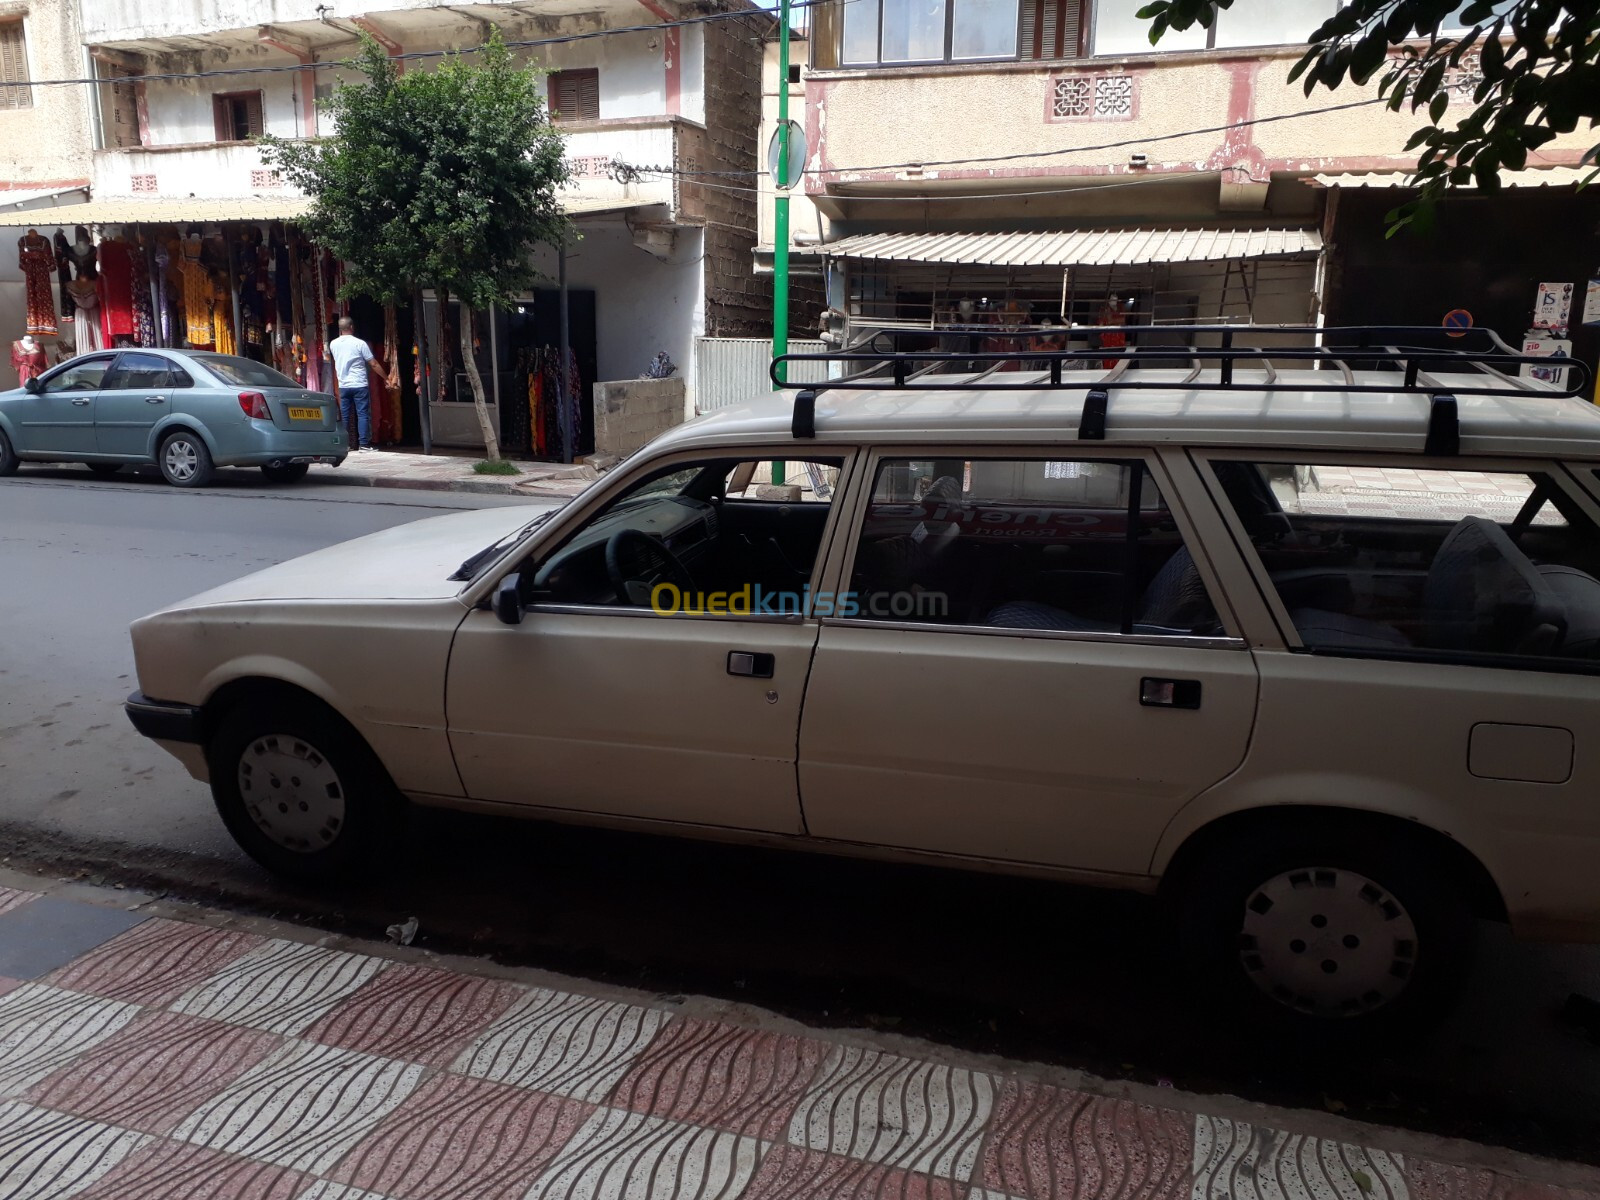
[(159, 210), (32, 199), (1528, 177), (1080, 248)]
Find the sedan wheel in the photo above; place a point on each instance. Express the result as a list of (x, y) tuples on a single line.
[(184, 460), (8, 456), (299, 789)]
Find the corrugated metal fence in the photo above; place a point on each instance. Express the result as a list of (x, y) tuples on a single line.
[(734, 370)]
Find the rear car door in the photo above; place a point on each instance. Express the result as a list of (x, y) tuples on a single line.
[(59, 419), (1031, 663), (135, 395)]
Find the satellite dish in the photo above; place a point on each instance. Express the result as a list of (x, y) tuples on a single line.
[(797, 157)]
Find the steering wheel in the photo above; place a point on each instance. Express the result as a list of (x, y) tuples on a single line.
[(639, 562)]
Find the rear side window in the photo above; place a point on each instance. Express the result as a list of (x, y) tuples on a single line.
[(1041, 544), (244, 372), (1424, 564), (138, 371)]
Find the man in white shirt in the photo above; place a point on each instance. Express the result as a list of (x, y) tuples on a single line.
[(352, 360)]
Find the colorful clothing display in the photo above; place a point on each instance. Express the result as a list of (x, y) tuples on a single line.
[(28, 362), (86, 330), (198, 331), (37, 258), (116, 291), (63, 253), (144, 317)]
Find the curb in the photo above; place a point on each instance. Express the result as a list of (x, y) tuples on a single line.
[(482, 487)]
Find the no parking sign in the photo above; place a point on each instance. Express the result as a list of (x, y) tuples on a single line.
[(1457, 321)]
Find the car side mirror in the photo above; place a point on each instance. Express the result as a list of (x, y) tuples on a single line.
[(33, 387), (508, 599)]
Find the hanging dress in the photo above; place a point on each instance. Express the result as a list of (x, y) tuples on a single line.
[(27, 363), (64, 273), (196, 295), (37, 259), (144, 319), (116, 291), (86, 329)]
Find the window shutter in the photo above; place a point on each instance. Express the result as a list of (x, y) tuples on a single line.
[(14, 66), (219, 118), (253, 107), (1051, 28), (575, 95)]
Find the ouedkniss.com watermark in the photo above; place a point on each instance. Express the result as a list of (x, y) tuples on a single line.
[(754, 600)]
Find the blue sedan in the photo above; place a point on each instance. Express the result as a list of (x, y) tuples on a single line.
[(185, 411)]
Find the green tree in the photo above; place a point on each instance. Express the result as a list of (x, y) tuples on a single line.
[(1541, 76), (445, 179)]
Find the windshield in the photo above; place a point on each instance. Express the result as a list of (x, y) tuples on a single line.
[(244, 372), (469, 569)]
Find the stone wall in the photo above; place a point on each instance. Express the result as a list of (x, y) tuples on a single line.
[(630, 412), (738, 302)]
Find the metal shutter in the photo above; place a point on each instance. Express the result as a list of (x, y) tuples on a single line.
[(14, 66)]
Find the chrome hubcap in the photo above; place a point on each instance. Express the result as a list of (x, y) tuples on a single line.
[(1327, 942), (291, 792), (181, 459)]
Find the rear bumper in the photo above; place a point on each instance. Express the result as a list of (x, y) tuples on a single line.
[(263, 444), (164, 722)]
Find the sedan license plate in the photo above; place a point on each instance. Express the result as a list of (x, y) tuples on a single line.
[(304, 414)]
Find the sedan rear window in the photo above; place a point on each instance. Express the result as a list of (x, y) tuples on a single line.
[(244, 372)]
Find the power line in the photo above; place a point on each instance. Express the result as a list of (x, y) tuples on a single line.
[(407, 56)]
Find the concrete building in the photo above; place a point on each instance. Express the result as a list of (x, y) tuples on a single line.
[(989, 161), (660, 260)]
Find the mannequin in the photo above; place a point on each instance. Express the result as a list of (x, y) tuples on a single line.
[(28, 358), (36, 258)]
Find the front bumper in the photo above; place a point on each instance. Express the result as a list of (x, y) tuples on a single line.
[(164, 722)]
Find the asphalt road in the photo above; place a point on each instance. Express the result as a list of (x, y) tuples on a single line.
[(1020, 968)]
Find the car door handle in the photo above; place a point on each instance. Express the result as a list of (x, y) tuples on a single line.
[(79, 403), (746, 662), (1169, 693), (155, 399)]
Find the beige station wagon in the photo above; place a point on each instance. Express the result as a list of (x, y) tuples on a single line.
[(1307, 645)]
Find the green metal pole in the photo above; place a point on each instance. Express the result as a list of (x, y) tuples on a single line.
[(780, 230)]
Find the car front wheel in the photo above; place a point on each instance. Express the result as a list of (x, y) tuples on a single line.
[(184, 460), (300, 791), (8, 456), (1340, 933)]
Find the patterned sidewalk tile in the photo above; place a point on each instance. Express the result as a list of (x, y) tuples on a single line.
[(415, 1013), (304, 1107), (48, 1155), (621, 1155), (1236, 1161), (742, 1080), (279, 986), (1049, 1144), (43, 1029), (154, 1071), (154, 963), (456, 1138), (577, 1046), (11, 898), (794, 1173), (917, 1116), (164, 1170)]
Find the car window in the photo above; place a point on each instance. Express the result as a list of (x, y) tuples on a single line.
[(84, 376), (1042, 544), (1384, 559), (806, 482), (137, 371), (243, 371), (673, 542)]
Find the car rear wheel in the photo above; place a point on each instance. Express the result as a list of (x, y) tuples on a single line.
[(104, 470), (300, 791), (8, 456), (184, 460), (1338, 932), (285, 472)]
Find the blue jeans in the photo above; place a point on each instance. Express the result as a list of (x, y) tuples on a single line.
[(359, 398)]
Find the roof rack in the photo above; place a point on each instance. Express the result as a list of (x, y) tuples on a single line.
[(1390, 348)]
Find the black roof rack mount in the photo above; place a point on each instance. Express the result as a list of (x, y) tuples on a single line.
[(1410, 351)]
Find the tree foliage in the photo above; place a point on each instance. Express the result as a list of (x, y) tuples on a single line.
[(443, 178), (1540, 64)]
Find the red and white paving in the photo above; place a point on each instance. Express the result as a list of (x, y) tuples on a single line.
[(195, 1056)]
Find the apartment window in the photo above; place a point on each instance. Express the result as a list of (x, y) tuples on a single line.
[(920, 31), (14, 67), (1119, 30), (575, 95), (238, 116)]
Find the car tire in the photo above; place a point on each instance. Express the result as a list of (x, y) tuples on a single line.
[(1329, 931), (184, 460), (8, 457), (300, 791), (104, 470), (285, 472)]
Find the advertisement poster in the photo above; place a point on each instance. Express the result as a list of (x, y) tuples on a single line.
[(1552, 307), (1546, 348), (1591, 303)]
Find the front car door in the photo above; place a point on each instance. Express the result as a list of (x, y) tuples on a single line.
[(58, 421), (133, 397), (609, 697), (1032, 663)]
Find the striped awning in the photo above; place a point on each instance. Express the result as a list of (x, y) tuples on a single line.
[(1528, 177), (292, 206), (1080, 248)]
